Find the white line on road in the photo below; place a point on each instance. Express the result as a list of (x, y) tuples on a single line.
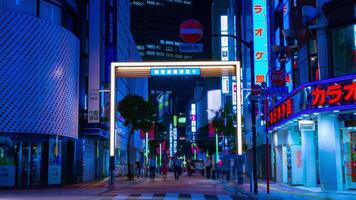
[(223, 197), (171, 196), (197, 197), (146, 196), (121, 197)]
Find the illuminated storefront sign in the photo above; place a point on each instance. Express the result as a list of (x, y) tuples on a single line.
[(175, 71), (335, 94), (193, 118), (320, 96), (224, 39), (280, 112), (225, 89), (260, 45)]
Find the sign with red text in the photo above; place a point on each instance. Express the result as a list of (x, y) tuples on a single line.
[(315, 97), (260, 44)]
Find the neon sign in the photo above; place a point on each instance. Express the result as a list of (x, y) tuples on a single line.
[(260, 45), (280, 112), (193, 119), (314, 97), (175, 71), (333, 94)]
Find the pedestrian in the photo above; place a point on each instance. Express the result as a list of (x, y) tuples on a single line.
[(176, 167), (208, 167), (152, 164), (138, 169), (165, 161)]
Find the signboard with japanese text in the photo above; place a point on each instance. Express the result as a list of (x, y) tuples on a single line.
[(319, 96), (225, 89), (260, 44), (191, 47)]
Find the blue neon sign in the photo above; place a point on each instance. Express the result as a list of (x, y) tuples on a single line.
[(259, 10), (175, 71)]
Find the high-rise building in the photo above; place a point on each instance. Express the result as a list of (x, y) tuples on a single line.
[(311, 126), (55, 58), (155, 27)]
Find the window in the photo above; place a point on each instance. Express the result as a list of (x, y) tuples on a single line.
[(22, 6), (51, 12), (343, 50)]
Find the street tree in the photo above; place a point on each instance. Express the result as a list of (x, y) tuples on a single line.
[(138, 114)]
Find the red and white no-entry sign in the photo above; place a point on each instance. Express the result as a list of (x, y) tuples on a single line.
[(191, 31)]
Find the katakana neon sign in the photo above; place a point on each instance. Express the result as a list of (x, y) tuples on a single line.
[(280, 112), (260, 45), (333, 94), (315, 97)]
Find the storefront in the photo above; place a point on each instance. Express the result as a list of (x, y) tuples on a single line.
[(95, 154), (313, 135), (34, 161)]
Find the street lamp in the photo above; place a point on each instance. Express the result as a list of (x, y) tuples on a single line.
[(112, 139), (249, 44)]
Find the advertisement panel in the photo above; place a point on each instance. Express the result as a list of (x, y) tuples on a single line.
[(314, 97), (214, 103), (260, 44), (94, 62)]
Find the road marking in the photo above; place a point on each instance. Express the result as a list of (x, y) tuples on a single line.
[(171, 196), (223, 197), (294, 193), (146, 196), (197, 196), (121, 197)]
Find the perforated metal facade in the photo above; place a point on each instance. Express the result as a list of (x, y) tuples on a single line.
[(39, 76)]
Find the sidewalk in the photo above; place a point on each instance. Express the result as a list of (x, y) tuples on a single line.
[(283, 191), (94, 188)]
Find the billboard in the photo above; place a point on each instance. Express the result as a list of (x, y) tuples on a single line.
[(260, 38), (214, 103)]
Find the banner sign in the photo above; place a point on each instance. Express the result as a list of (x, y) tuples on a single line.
[(260, 44), (319, 96), (110, 36), (191, 47)]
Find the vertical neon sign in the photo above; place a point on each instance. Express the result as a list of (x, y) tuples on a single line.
[(193, 118), (259, 13)]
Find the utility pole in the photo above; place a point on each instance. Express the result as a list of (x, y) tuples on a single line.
[(249, 44)]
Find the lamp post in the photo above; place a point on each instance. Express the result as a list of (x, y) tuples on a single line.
[(249, 45), (112, 138)]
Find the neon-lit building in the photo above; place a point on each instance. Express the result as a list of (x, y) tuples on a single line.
[(54, 125), (312, 127)]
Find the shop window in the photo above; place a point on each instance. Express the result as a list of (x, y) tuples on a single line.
[(22, 6), (343, 51), (51, 12)]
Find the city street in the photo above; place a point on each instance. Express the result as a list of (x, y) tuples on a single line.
[(195, 187)]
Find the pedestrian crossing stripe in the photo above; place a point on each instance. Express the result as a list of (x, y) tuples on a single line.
[(172, 196)]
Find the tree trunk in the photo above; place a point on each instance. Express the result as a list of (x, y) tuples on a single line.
[(129, 173)]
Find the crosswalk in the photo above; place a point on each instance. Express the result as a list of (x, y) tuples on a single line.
[(172, 196)]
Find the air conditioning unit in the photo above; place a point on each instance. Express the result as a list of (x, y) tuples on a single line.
[(306, 125)]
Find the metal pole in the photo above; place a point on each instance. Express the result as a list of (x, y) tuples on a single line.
[(253, 103), (160, 154), (112, 122), (267, 142), (253, 120)]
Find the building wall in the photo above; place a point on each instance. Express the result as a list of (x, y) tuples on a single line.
[(39, 74)]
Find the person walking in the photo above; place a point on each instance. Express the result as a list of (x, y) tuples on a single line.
[(152, 164), (138, 169), (165, 161), (176, 167), (208, 167)]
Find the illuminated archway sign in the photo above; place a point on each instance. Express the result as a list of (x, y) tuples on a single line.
[(151, 69)]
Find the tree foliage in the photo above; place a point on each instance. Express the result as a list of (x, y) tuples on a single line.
[(138, 114)]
